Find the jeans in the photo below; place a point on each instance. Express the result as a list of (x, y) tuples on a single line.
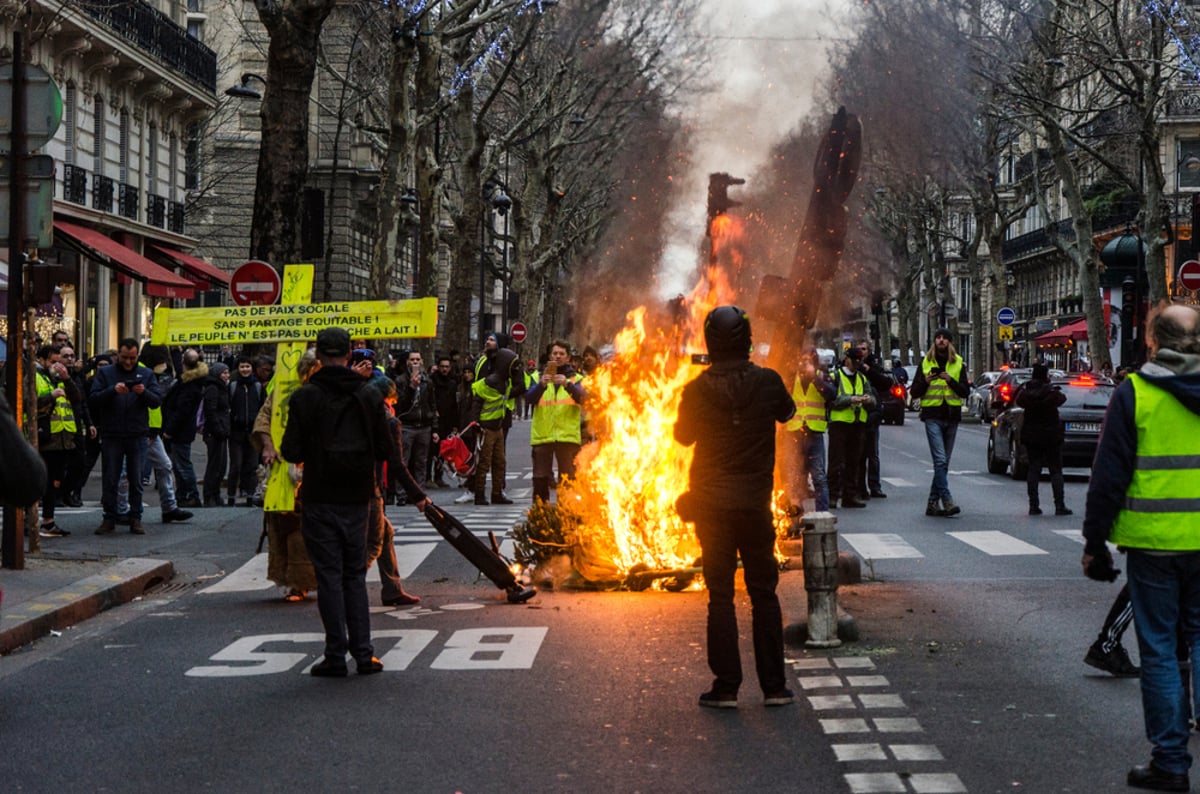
[(723, 534), (1165, 592), (940, 434), (117, 454), (336, 538), (814, 464), (156, 457), (185, 473), (416, 442)]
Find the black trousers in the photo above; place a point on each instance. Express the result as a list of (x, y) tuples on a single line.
[(845, 460), (1049, 457)]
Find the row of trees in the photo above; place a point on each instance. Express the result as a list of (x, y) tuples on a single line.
[(554, 104), (990, 112)]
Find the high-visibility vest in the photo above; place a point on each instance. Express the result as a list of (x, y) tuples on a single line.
[(493, 401), (855, 386), (62, 415), (939, 390), (810, 408), (557, 416), (1162, 504)]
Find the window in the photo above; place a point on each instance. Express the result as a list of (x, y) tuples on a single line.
[(191, 177), (195, 29), (152, 160), (98, 136), (69, 123), (1189, 164), (124, 144), (172, 166)]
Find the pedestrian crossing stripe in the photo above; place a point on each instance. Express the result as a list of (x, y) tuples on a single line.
[(890, 546), (880, 546), (997, 544)]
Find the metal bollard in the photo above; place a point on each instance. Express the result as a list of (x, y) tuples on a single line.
[(821, 579)]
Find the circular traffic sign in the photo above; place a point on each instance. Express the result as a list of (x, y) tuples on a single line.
[(518, 332), (43, 105), (1006, 316), (1189, 275), (255, 283)]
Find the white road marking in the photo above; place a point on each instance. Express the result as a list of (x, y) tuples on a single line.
[(997, 544), (898, 482), (249, 578), (881, 546), (411, 555)]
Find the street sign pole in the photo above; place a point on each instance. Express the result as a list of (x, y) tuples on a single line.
[(12, 551)]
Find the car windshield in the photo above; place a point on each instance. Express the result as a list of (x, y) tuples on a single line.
[(1087, 397)]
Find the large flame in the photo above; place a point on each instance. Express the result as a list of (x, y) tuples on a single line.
[(628, 481)]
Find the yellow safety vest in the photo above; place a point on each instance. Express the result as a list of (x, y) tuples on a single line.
[(940, 391), (62, 415), (1162, 505), (556, 417), (810, 408), (855, 387)]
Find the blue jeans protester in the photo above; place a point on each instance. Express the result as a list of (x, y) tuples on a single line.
[(814, 464), (940, 434)]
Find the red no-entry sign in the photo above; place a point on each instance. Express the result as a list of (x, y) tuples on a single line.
[(518, 332), (255, 283), (1189, 275)]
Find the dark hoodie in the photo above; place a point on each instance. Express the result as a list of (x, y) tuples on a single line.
[(1112, 472), (216, 402), (729, 413), (327, 419), (181, 403), (1039, 425)]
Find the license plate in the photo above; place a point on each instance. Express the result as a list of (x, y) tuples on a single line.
[(1084, 427)]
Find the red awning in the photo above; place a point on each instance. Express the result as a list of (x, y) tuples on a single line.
[(160, 282), (1076, 331), (202, 270)]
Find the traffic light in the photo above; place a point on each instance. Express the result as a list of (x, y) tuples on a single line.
[(1127, 303), (874, 330), (718, 194)]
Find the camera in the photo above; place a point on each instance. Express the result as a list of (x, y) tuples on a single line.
[(362, 354)]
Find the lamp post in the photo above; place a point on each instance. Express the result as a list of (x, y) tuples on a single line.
[(243, 89), (494, 198)]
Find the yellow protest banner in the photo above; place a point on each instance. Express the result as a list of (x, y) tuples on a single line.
[(280, 493), (294, 322)]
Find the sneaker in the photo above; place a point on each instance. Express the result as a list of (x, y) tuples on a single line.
[(716, 700), (107, 527), (465, 498), (949, 508), (52, 530), (176, 515), (784, 697), (1116, 662)]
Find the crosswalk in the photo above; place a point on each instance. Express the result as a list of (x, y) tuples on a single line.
[(891, 546)]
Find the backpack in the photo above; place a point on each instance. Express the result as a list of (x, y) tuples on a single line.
[(344, 448)]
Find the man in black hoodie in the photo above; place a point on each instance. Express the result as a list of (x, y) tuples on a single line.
[(339, 430), (1042, 436), (245, 398), (179, 425), (729, 413)]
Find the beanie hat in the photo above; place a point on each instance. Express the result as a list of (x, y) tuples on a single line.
[(1041, 372), (943, 332)]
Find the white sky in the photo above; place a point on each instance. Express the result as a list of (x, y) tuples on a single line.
[(767, 69)]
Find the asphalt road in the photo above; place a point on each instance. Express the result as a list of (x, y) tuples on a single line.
[(967, 677)]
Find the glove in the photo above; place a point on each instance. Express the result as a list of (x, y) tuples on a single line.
[(1100, 567)]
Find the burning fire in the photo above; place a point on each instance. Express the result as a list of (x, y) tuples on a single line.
[(628, 481)]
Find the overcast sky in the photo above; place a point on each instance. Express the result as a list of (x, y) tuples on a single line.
[(769, 56)]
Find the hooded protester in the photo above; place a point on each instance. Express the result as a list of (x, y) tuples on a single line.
[(216, 431), (180, 408), (496, 372), (729, 415), (1042, 437), (1143, 498)]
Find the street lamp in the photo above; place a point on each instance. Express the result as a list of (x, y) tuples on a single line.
[(494, 198), (243, 89)]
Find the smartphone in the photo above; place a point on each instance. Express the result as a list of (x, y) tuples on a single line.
[(362, 354), (701, 359)]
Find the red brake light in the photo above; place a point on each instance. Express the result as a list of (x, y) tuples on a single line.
[(1086, 381), (898, 391), (1005, 392)]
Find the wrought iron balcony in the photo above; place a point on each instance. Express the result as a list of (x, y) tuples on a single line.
[(156, 35), (156, 210), (102, 193), (175, 217), (127, 203), (75, 184)]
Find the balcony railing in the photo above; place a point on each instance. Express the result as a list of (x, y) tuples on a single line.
[(102, 193), (175, 217), (75, 184), (156, 35), (127, 203), (156, 210)]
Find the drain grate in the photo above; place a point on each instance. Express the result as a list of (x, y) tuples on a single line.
[(171, 588)]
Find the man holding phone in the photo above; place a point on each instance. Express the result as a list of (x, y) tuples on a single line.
[(121, 398), (941, 385)]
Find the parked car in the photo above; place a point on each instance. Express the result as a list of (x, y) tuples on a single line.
[(893, 402), (913, 403), (978, 401), (1080, 417), (1005, 386)]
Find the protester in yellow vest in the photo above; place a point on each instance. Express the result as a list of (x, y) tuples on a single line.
[(57, 432), (495, 373), (1144, 497), (557, 400), (812, 391), (941, 385), (847, 430)]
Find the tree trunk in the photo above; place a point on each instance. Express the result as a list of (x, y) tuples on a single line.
[(391, 181)]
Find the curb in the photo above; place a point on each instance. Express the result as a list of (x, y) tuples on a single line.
[(68, 606)]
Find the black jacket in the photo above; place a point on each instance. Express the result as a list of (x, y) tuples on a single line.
[(729, 413), (416, 406), (181, 403), (245, 398), (216, 406), (445, 397), (339, 431), (1040, 426), (123, 415)]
